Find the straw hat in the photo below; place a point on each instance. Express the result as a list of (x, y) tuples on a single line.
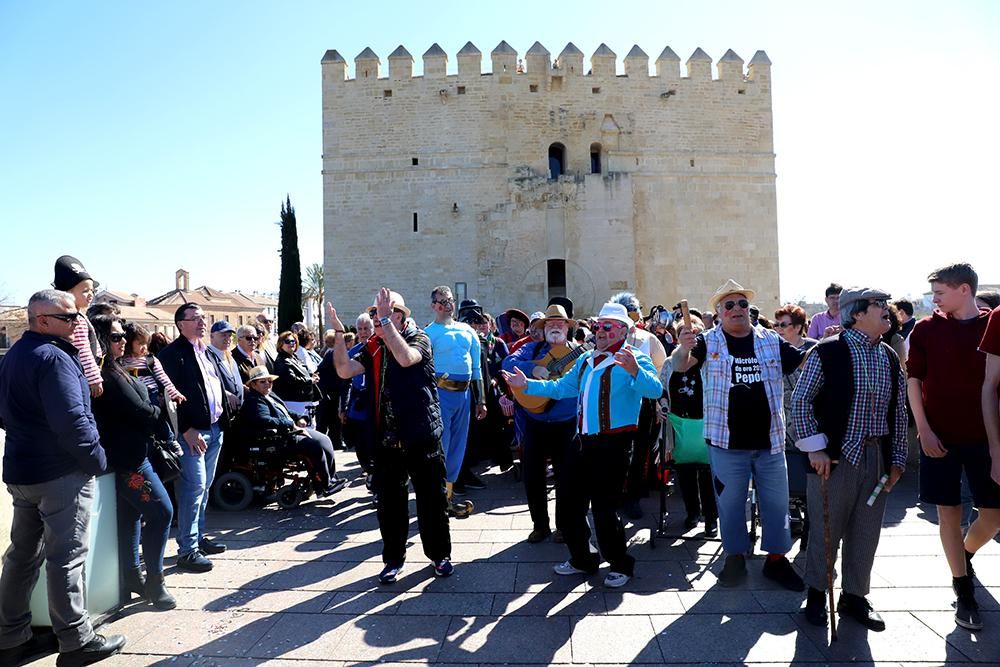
[(260, 373), (730, 287), (553, 313)]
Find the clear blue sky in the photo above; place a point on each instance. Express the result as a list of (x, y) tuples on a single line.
[(143, 137)]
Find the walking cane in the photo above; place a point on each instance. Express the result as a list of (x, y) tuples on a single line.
[(829, 557)]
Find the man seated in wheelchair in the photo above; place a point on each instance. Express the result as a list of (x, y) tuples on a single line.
[(264, 411)]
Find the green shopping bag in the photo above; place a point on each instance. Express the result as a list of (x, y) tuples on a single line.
[(689, 440)]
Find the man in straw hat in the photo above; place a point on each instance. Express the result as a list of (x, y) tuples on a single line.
[(547, 433), (744, 420), (399, 370), (609, 384), (849, 409)]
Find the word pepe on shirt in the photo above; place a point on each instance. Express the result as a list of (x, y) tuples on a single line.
[(746, 371)]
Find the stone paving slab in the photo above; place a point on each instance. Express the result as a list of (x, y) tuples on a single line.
[(298, 588)]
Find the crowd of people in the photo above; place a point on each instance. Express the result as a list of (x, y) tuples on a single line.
[(593, 405)]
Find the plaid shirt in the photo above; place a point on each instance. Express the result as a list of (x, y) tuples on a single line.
[(873, 384), (717, 374)]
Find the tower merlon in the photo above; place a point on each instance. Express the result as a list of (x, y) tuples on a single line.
[(730, 67), (603, 62), (699, 65), (504, 59), (334, 67), (366, 66), (570, 61), (435, 62), (637, 63), (400, 64), (668, 65), (539, 61), (470, 61), (759, 68)]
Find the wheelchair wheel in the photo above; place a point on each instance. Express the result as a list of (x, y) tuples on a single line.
[(289, 497), (232, 492)]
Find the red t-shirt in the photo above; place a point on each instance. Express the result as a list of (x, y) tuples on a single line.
[(944, 354), (991, 339)]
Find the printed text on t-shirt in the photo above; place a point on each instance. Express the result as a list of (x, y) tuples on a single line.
[(746, 371)]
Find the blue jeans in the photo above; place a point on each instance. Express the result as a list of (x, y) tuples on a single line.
[(144, 509), (455, 410), (197, 475), (731, 473)]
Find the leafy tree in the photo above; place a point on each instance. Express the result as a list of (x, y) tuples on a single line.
[(313, 290), (290, 285)]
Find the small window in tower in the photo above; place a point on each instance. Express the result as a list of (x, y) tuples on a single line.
[(556, 269), (595, 90), (461, 90), (414, 222), (692, 163), (461, 292), (386, 93), (557, 160), (533, 88), (414, 161), (595, 158)]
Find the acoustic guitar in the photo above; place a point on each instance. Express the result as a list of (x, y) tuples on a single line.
[(556, 361)]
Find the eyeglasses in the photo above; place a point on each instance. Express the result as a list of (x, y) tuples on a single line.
[(196, 318), (878, 303), (116, 337), (442, 302), (782, 325), (252, 339), (373, 313), (742, 303), (65, 317)]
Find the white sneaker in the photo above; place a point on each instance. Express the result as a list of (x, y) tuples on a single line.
[(566, 569), (616, 579)]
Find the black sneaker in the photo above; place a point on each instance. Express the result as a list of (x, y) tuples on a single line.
[(860, 609), (389, 573), (443, 568), (336, 484), (98, 648), (538, 535), (734, 572), (472, 481), (781, 571), (210, 547), (711, 527), (40, 644), (815, 611), (194, 562), (691, 522), (966, 607)]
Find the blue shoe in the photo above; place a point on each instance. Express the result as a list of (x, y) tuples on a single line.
[(443, 568), (389, 573)]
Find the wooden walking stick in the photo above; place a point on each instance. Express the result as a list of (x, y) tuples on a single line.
[(686, 313), (829, 557)]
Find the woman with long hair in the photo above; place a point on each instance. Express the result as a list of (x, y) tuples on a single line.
[(128, 422), (295, 385)]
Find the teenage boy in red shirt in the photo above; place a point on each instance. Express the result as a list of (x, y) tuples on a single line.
[(946, 372)]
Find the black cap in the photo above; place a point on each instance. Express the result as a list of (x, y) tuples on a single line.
[(565, 302), (469, 304), (70, 273)]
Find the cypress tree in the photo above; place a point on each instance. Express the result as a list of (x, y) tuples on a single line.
[(290, 286)]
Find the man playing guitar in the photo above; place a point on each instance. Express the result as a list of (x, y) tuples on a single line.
[(549, 426)]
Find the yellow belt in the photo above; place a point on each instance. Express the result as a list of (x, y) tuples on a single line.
[(452, 385)]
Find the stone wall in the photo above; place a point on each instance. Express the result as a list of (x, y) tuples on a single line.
[(685, 197)]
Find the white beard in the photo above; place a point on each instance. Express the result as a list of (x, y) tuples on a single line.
[(555, 337)]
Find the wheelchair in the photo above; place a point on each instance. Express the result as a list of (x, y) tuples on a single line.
[(261, 466)]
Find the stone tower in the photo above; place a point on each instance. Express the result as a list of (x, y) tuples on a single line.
[(545, 177)]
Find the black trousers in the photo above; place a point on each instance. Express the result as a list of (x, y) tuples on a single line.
[(360, 434), (423, 465), (695, 481), (328, 419), (545, 440), (489, 438), (595, 477), (318, 450), (637, 481)]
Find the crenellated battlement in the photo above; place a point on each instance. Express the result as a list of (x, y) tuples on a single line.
[(537, 65)]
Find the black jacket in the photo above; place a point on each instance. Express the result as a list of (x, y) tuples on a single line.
[(261, 412), (247, 363), (179, 362), (294, 381), (126, 420)]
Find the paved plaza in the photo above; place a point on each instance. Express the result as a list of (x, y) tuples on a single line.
[(298, 588)]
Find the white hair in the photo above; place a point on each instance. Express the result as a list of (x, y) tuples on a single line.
[(49, 297)]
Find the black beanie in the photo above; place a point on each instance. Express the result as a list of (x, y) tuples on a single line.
[(70, 273)]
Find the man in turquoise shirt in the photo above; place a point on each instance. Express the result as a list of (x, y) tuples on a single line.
[(609, 383), (457, 369)]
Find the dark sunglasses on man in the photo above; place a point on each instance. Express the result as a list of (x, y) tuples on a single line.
[(65, 317), (742, 303)]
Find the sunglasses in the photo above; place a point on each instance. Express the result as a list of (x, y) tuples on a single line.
[(373, 313), (65, 317), (251, 338), (442, 302), (608, 326), (742, 303), (878, 303), (116, 337), (288, 341), (782, 325)]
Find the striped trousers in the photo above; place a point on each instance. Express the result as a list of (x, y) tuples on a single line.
[(852, 521)]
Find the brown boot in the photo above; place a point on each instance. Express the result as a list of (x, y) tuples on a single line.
[(457, 510)]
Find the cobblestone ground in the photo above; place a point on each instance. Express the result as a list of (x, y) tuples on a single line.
[(298, 588)]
